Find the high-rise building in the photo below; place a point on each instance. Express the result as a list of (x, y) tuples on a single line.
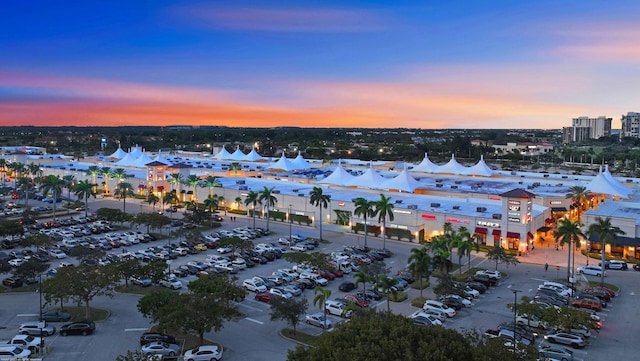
[(630, 125), (583, 128)]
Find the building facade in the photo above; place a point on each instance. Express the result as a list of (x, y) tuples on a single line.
[(630, 125), (583, 128)]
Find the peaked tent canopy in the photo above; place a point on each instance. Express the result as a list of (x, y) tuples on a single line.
[(301, 163), (452, 167), (370, 179), (618, 185), (142, 160), (127, 161), (253, 156), (136, 151), (118, 154), (161, 159), (481, 168), (402, 182), (426, 165), (238, 155), (339, 176), (283, 164), (223, 154), (600, 184)]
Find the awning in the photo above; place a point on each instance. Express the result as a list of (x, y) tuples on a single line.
[(496, 232), (529, 235), (559, 209), (544, 229), (513, 235), (481, 230)]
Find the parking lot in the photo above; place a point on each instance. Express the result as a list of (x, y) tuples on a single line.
[(255, 337)]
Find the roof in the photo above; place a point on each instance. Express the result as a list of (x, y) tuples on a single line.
[(518, 193)]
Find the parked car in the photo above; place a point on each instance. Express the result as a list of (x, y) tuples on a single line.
[(587, 303), (12, 282), (204, 353), (556, 352), (56, 316), (78, 328), (32, 328), (570, 339), (432, 304), (141, 281), (318, 320), (263, 297), (149, 337), (337, 308), (25, 341), (433, 320), (616, 265), (254, 285), (160, 348), (11, 352), (346, 286), (591, 270)]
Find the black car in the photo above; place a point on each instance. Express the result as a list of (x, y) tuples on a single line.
[(56, 316), (347, 286), (484, 279), (149, 337), (78, 328), (453, 303), (370, 295), (216, 218), (480, 287)]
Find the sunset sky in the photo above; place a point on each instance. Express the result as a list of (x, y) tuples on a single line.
[(414, 64)]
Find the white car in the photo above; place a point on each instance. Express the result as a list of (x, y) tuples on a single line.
[(432, 304), (492, 274), (169, 283), (204, 353), (298, 248), (277, 291), (254, 285), (56, 253), (433, 319), (337, 309), (591, 270), (532, 322), (17, 262), (224, 249)]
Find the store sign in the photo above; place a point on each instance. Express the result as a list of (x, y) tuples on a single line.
[(514, 214), (341, 204), (514, 202), (488, 224), (456, 220), (400, 211), (428, 216), (555, 203), (514, 219)]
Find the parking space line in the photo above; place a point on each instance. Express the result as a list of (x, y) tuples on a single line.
[(252, 320), (136, 329), (26, 315)]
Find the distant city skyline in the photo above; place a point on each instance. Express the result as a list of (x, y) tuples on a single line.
[(361, 64)]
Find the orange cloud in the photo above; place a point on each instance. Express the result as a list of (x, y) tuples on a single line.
[(283, 20)]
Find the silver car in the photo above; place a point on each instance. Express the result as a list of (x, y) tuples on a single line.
[(567, 339), (160, 348), (318, 320), (33, 328)]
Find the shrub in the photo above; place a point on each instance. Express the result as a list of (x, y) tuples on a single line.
[(418, 301), (398, 296)]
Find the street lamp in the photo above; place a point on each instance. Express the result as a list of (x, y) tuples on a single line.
[(515, 316), (290, 222), (40, 321)]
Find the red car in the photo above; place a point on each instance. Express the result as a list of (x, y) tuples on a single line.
[(337, 273), (608, 290), (328, 275), (263, 297), (359, 301)]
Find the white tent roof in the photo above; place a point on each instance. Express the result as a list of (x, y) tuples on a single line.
[(238, 155), (481, 168), (403, 182), (161, 159), (283, 164), (369, 179), (119, 153), (600, 184), (339, 176), (142, 160), (136, 151), (614, 182), (452, 167), (128, 160), (253, 156), (426, 165), (301, 163), (223, 154)]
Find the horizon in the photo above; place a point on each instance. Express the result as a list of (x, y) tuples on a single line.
[(353, 64)]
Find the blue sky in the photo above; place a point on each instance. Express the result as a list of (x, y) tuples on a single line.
[(459, 64)]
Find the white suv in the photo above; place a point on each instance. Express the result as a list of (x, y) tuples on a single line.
[(432, 304), (337, 308), (591, 270), (254, 286)]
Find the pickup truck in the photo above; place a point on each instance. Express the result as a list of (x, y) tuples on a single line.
[(24, 341)]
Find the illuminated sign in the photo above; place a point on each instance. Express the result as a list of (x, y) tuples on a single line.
[(555, 202), (401, 211), (341, 204), (488, 224), (514, 207), (514, 202), (428, 216), (513, 219), (514, 214), (456, 220), (495, 198)]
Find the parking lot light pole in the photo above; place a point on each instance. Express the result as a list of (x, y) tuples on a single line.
[(290, 222), (41, 322), (515, 315)]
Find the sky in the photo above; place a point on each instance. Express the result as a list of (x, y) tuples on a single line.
[(350, 64)]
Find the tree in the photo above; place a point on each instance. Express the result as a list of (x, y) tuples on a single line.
[(212, 182), (152, 302), (155, 270), (119, 174), (52, 184), (211, 203), (193, 181), (568, 232), (320, 200), (568, 318), (30, 269), (606, 233), (446, 285), (106, 173), (364, 208), (176, 179), (289, 310), (126, 268), (362, 277), (37, 240), (420, 264), (152, 199), (498, 255), (69, 183), (269, 200), (579, 194), (321, 296), (25, 185), (136, 355), (439, 246), (84, 190), (169, 198), (465, 243), (387, 285), (253, 199), (222, 285), (113, 215), (123, 190), (94, 171), (384, 209), (152, 220)]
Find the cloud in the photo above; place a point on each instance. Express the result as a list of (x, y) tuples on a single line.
[(284, 20)]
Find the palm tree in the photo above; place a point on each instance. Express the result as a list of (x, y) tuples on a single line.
[(52, 184), (211, 203), (579, 194), (384, 209), (123, 190), (152, 199), (362, 277), (94, 171), (69, 182), (119, 174), (420, 264), (606, 233), (364, 209), (176, 179), (253, 199), (25, 185), (170, 198), (439, 246), (568, 232), (193, 181), (387, 285), (238, 201), (3, 169), (464, 243), (269, 200), (318, 199), (212, 182), (106, 173), (17, 168), (322, 296), (84, 190), (35, 170)]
